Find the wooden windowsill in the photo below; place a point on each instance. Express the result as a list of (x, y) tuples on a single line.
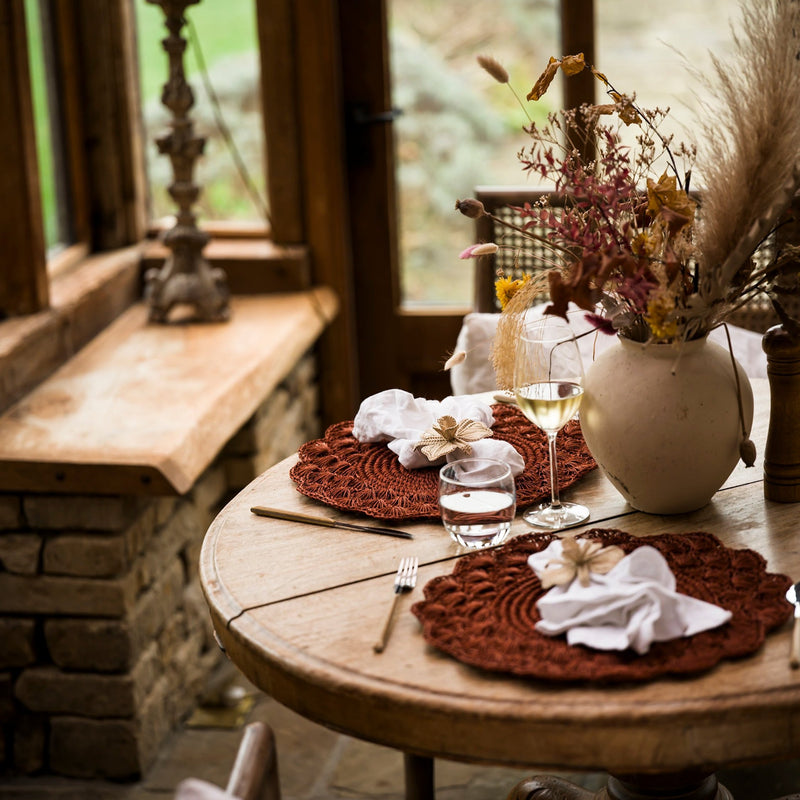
[(86, 295), (144, 408), (88, 292)]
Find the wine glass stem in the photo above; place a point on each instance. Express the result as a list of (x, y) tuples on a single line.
[(555, 502)]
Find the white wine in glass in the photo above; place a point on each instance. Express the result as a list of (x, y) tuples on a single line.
[(548, 383)]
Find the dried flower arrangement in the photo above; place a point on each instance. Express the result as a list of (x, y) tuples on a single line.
[(632, 247)]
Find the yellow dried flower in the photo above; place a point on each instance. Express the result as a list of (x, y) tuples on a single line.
[(505, 288), (658, 317)]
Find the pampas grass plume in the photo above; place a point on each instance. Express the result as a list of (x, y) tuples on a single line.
[(749, 141)]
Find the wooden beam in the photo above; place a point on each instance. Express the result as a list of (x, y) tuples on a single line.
[(281, 128), (577, 36), (67, 81), (23, 287), (371, 173), (112, 139), (317, 61)]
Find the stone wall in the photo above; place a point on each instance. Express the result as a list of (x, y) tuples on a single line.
[(105, 639)]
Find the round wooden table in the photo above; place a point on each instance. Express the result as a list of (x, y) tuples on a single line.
[(298, 607)]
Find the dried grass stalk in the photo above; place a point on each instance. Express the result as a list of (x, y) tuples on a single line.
[(750, 141), (509, 330)]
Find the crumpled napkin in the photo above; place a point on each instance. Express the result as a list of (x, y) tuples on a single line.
[(400, 419), (633, 605)]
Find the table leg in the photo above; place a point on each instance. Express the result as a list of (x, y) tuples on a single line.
[(678, 787), (419, 777), (658, 787)]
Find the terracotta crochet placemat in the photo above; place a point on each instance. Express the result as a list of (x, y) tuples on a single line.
[(484, 612), (368, 478)]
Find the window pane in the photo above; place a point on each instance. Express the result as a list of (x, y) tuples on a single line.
[(460, 128), (227, 38), (646, 53), (50, 172)]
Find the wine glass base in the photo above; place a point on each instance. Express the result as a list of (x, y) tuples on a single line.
[(546, 516)]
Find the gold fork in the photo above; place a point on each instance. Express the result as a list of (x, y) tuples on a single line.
[(404, 581)]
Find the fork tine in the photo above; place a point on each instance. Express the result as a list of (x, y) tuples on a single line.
[(411, 573), (405, 579), (401, 573)]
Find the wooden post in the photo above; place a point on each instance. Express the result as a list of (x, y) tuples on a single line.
[(577, 36), (23, 286), (782, 451)]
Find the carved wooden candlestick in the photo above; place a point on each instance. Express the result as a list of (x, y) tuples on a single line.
[(782, 452), (186, 277)]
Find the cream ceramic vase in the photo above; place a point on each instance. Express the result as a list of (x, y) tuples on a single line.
[(663, 422)]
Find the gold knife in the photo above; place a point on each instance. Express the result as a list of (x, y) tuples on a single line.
[(294, 516)]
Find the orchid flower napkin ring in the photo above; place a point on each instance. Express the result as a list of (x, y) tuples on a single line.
[(579, 558), (447, 435)]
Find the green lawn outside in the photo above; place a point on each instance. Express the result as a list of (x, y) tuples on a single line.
[(44, 145), (224, 27)]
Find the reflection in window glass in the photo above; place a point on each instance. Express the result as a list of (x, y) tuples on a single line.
[(459, 127), (44, 132), (227, 38)]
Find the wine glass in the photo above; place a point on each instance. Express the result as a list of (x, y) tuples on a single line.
[(548, 384)]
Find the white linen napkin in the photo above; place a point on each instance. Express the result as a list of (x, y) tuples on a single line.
[(398, 418), (633, 605)]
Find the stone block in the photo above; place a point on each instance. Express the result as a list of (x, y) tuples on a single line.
[(18, 647), (187, 671), (242, 470), (185, 526), (164, 508), (85, 555), (19, 552), (10, 512), (113, 748), (197, 614), (157, 718), (52, 691), (157, 605), (304, 373), (309, 400), (91, 748), (47, 594), (114, 645), (104, 645), (6, 697), (250, 438), (139, 534), (210, 491), (81, 512), (30, 739)]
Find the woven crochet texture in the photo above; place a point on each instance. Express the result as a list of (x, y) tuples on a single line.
[(484, 612), (368, 477)]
